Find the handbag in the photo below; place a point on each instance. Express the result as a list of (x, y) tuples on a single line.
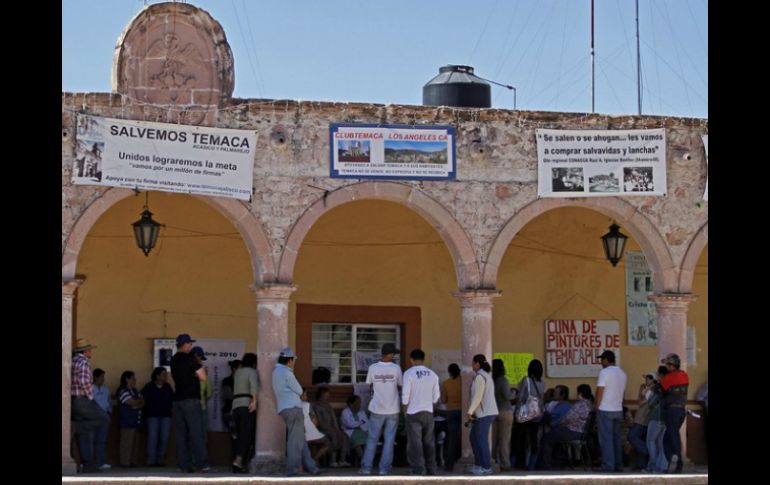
[(531, 409)]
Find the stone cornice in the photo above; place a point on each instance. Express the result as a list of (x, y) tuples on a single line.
[(273, 293)]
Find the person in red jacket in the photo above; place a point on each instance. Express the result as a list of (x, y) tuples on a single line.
[(674, 385)]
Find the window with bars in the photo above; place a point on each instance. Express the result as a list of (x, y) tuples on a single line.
[(347, 349)]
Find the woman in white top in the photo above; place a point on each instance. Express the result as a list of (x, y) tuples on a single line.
[(482, 411), (355, 424), (312, 435)]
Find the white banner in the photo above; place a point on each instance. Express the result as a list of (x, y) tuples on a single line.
[(573, 347), (441, 359), (219, 352), (392, 152), (161, 156), (365, 359), (593, 163), (640, 312), (706, 147)]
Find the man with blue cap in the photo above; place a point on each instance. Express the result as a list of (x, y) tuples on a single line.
[(188, 375), (289, 406)]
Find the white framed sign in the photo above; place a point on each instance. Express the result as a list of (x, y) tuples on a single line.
[(573, 347)]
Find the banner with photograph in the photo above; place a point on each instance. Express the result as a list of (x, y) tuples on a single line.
[(706, 147), (640, 313), (573, 347), (161, 156), (404, 152), (516, 365), (595, 163)]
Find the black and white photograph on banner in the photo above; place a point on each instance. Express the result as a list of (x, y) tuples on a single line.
[(638, 179), (567, 179), (88, 161), (604, 182)]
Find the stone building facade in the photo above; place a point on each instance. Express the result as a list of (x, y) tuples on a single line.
[(185, 75)]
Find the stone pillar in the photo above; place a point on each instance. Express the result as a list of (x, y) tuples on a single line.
[(68, 290), (476, 306), (272, 336), (672, 336)]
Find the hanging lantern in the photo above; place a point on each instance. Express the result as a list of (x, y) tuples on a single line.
[(614, 243), (146, 231)]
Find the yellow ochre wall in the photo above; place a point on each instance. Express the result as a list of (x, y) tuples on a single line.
[(362, 253), (380, 253), (194, 281), (555, 269)]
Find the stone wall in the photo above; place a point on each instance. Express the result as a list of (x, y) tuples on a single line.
[(496, 164)]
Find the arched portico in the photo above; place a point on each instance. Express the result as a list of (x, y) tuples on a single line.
[(237, 213), (665, 273), (691, 257), (455, 237), (249, 227)]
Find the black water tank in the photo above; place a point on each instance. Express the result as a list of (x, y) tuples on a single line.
[(457, 86)]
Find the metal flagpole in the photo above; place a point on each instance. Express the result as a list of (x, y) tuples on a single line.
[(593, 63), (638, 64)]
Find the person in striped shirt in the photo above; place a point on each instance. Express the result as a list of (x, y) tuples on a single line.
[(87, 415)]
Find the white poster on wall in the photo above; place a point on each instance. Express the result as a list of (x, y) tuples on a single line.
[(166, 157), (406, 152), (441, 359), (641, 314), (596, 163), (219, 352), (573, 347)]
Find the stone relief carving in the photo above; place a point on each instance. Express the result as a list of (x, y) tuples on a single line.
[(176, 74)]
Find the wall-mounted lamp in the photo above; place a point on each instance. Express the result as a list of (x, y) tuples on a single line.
[(146, 230), (614, 243)]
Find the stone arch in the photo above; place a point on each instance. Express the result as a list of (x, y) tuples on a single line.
[(694, 250), (665, 273), (454, 236), (249, 227)]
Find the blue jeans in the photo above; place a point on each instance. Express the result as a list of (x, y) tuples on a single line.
[(376, 424), (87, 419), (100, 443), (637, 436), (609, 423), (480, 441), (188, 423), (296, 447), (655, 431), (158, 431)]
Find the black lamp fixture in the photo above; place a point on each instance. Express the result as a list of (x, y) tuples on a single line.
[(614, 243), (146, 230)]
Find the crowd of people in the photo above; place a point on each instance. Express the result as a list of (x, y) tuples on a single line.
[(527, 423)]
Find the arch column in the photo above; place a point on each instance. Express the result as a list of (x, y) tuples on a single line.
[(672, 336), (68, 291), (476, 307), (272, 336)]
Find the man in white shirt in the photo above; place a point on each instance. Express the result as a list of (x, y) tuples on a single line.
[(610, 388), (420, 392), (385, 379)]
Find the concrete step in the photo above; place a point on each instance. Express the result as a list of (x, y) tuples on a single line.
[(154, 476)]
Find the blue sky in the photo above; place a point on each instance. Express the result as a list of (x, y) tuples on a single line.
[(385, 51)]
